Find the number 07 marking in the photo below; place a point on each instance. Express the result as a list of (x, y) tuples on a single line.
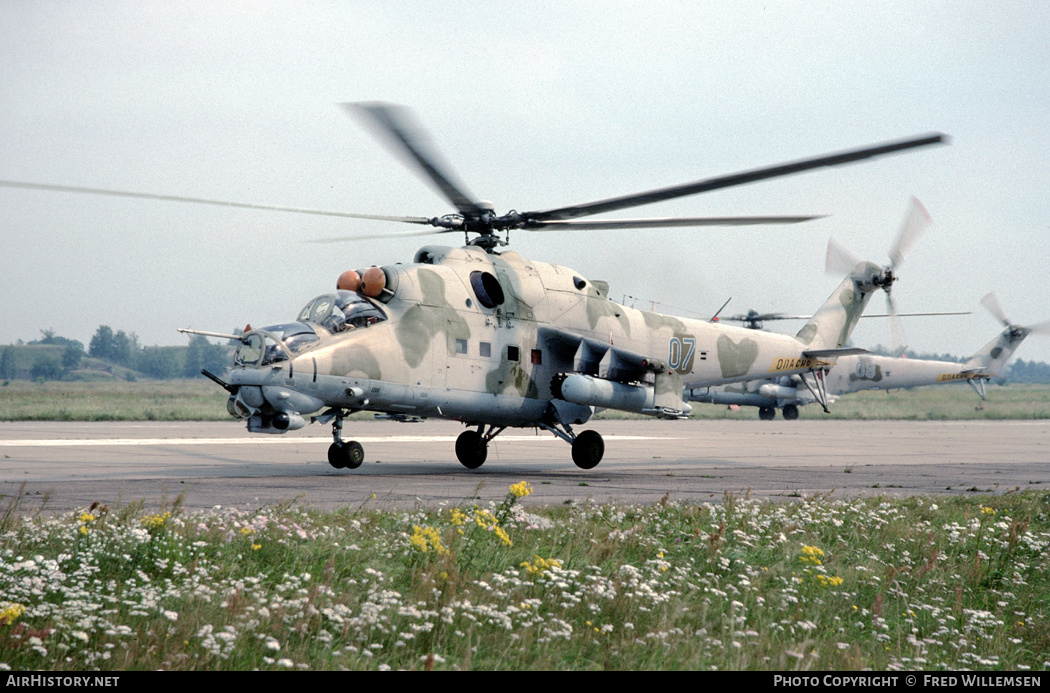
[(680, 353)]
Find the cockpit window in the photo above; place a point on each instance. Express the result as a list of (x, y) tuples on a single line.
[(249, 351), (274, 343), (341, 311)]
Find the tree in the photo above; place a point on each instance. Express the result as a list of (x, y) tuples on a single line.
[(71, 356), (203, 354), (101, 345), (7, 364), (108, 346), (121, 349), (46, 367), (158, 362)]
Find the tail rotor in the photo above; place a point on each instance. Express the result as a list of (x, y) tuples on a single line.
[(841, 261)]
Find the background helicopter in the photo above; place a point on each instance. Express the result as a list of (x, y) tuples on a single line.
[(495, 341), (872, 372)]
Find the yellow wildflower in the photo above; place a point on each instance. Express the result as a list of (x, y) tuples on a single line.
[(811, 554), (521, 489), (426, 539), (155, 522), (11, 613), (247, 530), (832, 581), (540, 565)]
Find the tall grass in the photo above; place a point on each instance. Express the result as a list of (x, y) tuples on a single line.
[(154, 400), (202, 400), (815, 584)]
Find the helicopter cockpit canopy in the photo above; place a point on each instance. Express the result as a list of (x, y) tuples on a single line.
[(274, 343), (340, 311)]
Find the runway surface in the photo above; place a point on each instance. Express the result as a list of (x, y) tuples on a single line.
[(61, 467)]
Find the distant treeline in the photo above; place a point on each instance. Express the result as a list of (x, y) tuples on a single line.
[(118, 354), (109, 355)]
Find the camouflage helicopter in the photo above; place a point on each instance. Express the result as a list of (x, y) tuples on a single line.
[(872, 372), (495, 340)]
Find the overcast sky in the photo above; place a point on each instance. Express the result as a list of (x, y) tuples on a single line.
[(534, 105)]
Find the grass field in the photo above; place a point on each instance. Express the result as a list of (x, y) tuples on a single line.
[(202, 400), (805, 584), (811, 585)]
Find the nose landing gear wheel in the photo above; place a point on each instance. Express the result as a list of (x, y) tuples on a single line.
[(471, 449), (347, 455), (588, 449), (766, 413)]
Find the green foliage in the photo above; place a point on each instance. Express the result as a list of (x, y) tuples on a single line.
[(159, 362), (7, 363), (46, 367), (953, 583), (71, 356), (48, 337), (202, 354), (1021, 371), (115, 347)]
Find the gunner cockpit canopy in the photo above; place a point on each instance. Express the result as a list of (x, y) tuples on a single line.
[(341, 311)]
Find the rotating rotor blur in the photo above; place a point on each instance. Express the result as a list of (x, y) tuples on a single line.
[(840, 261), (1015, 331), (397, 128)]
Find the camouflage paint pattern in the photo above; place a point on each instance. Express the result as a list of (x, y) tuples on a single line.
[(441, 352)]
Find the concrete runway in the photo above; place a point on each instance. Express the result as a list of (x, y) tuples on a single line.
[(60, 467)]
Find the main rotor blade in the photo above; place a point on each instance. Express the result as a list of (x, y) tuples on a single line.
[(661, 194), (203, 201), (663, 222), (911, 315), (375, 236), (410, 139), (915, 223)]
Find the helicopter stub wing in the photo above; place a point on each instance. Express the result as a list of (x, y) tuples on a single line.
[(580, 354), (599, 374)]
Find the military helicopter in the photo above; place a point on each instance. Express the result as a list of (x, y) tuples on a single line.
[(495, 340), (873, 372)]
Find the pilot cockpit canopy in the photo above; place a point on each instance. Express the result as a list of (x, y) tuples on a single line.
[(274, 343), (340, 311)]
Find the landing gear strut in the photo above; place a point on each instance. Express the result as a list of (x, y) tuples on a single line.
[(472, 447), (344, 454)]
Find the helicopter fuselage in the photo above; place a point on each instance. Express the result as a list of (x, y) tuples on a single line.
[(497, 340)]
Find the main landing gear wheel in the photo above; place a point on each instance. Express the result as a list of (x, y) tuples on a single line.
[(471, 449), (767, 413), (790, 412), (588, 449), (348, 455)]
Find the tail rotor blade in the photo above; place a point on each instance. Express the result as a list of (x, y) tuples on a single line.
[(992, 304), (915, 223), (839, 260), (1039, 328), (896, 329)]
